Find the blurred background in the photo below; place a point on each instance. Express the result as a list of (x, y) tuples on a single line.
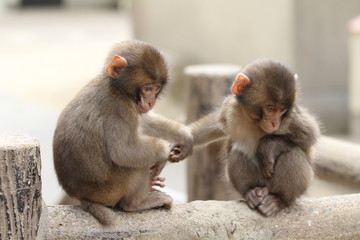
[(49, 49)]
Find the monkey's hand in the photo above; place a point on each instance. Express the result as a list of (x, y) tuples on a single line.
[(155, 179), (179, 152), (267, 168)]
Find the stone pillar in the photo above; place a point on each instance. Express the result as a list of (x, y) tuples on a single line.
[(206, 87), (20, 187), (354, 76)]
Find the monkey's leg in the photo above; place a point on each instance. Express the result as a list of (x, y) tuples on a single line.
[(245, 176), (142, 198), (269, 148), (103, 214), (292, 176)]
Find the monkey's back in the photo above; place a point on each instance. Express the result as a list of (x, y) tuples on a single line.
[(81, 157)]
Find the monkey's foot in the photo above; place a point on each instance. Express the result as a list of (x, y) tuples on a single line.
[(254, 196), (157, 181), (154, 199), (164, 200), (175, 153), (270, 205)]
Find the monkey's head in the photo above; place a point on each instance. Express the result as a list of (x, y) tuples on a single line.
[(139, 71), (267, 90)]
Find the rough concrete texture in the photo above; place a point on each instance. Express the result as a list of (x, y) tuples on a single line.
[(336, 217), (20, 186), (338, 159)]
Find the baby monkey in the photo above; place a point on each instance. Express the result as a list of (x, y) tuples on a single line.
[(109, 146), (269, 138)]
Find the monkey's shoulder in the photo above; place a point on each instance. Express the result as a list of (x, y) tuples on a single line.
[(301, 127)]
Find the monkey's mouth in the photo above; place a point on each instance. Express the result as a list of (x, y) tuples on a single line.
[(269, 126), (144, 107)]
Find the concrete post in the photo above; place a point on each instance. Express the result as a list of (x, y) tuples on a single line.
[(354, 76), (20, 187)]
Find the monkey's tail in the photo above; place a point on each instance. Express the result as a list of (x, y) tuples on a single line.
[(103, 214)]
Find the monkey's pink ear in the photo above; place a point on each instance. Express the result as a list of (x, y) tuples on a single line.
[(117, 65), (240, 83)]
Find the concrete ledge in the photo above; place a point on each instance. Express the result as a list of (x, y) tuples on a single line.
[(338, 159), (336, 217)]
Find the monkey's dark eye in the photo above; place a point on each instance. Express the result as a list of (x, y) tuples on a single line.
[(271, 108), (151, 87), (148, 87)]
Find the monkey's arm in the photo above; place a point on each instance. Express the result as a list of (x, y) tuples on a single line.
[(156, 125), (270, 147), (207, 129), (178, 134), (304, 129), (127, 147)]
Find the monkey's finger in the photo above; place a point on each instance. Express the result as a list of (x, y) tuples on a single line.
[(261, 192), (251, 200), (159, 184), (174, 157), (268, 173), (251, 204), (154, 190), (160, 179), (175, 150), (174, 153), (268, 210)]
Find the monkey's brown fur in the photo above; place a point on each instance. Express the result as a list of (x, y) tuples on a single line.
[(269, 168), (101, 153)]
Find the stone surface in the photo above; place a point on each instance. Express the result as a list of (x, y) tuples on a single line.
[(335, 217), (20, 186)]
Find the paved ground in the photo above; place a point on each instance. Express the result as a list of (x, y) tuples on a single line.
[(46, 56)]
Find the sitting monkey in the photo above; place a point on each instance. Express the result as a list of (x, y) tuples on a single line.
[(108, 145), (269, 138)]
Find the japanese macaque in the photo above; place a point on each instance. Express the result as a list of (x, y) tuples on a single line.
[(109, 148), (268, 137)]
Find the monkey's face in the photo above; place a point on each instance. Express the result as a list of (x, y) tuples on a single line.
[(147, 96), (140, 74), (271, 117), (266, 90)]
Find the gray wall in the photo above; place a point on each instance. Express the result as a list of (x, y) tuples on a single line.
[(309, 36), (321, 57)]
